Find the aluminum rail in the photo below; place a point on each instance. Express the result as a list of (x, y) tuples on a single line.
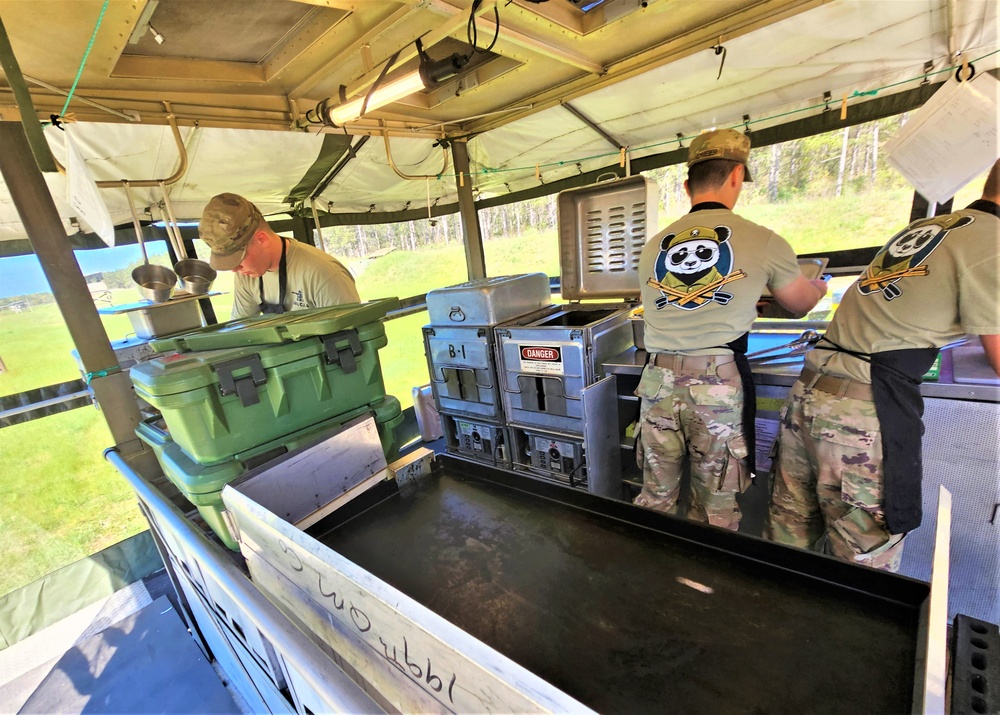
[(44, 403), (337, 690)]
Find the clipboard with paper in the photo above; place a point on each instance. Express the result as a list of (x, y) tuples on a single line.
[(951, 140)]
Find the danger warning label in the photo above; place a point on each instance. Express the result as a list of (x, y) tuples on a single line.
[(541, 358)]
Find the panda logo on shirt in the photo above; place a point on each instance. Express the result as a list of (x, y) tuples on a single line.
[(692, 266), (903, 256)]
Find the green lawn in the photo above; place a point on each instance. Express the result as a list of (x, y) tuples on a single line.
[(60, 501)]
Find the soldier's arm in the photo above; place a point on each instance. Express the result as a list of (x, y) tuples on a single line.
[(800, 296), (991, 344)]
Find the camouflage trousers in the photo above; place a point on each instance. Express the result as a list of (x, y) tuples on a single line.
[(827, 491), (698, 417)]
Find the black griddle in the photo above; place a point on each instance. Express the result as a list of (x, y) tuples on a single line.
[(629, 610)]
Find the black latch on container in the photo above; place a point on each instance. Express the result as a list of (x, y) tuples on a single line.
[(246, 385), (345, 356)]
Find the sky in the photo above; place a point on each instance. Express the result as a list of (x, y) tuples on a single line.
[(22, 275)]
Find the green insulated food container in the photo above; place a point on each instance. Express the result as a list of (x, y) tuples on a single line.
[(202, 484), (220, 402)]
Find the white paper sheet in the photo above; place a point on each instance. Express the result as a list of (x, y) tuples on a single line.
[(84, 196), (766, 432), (951, 140)]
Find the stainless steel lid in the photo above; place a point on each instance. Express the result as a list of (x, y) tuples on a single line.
[(602, 230)]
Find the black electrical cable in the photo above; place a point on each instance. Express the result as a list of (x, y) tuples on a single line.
[(389, 63), (473, 34)]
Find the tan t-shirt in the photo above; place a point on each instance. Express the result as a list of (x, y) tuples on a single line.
[(701, 278), (315, 280), (932, 283)]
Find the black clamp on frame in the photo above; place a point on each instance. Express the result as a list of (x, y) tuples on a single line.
[(345, 356), (246, 385)]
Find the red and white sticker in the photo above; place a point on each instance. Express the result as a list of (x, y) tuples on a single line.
[(541, 358)]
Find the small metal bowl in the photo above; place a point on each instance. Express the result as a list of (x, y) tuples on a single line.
[(156, 283), (196, 276)]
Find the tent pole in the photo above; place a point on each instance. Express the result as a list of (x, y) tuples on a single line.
[(32, 127), (48, 240), (475, 260)]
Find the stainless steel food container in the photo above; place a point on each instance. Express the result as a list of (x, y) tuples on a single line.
[(462, 366), (165, 319), (488, 301), (638, 331)]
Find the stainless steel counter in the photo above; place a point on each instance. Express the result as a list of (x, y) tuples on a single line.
[(632, 360)]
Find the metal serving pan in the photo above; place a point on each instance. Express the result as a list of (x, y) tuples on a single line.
[(628, 610)]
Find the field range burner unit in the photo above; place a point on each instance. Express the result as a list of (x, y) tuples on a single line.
[(551, 359), (590, 461), (461, 358), (480, 441)]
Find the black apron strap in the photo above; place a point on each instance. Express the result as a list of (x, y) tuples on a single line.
[(739, 348), (267, 308), (899, 406), (896, 376)]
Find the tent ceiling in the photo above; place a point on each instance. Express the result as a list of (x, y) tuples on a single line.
[(241, 75)]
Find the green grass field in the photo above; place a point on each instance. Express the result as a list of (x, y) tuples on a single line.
[(60, 501)]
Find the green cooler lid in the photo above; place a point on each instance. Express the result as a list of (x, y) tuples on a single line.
[(275, 329), (182, 372)]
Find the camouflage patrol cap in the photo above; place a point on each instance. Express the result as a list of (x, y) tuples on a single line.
[(227, 225), (721, 144)]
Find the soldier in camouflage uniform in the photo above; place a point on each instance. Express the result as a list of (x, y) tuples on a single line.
[(836, 442), (701, 413), (931, 284), (700, 281), (272, 274)]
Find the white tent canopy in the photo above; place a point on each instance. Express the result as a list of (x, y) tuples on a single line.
[(642, 78)]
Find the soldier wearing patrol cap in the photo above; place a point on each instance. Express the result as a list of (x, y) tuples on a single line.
[(273, 274), (848, 469), (700, 281)]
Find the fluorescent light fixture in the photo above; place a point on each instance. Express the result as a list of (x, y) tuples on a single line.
[(393, 91), (428, 75)]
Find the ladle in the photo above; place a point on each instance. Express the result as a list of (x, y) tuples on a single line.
[(195, 276), (156, 283)]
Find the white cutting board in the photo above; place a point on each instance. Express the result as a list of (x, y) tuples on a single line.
[(970, 366)]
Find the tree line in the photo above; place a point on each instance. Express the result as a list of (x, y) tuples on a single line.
[(826, 165)]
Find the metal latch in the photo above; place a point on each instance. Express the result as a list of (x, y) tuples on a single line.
[(345, 356), (246, 385)]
